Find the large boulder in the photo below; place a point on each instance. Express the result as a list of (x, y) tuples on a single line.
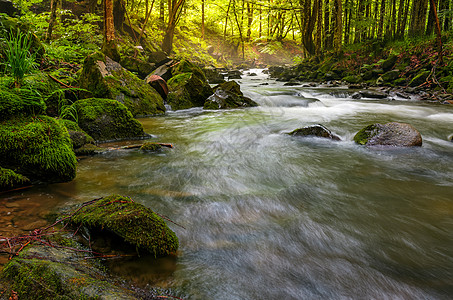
[(133, 222), (107, 119), (188, 87), (228, 95), (136, 65), (37, 147), (105, 78), (316, 131), (390, 134)]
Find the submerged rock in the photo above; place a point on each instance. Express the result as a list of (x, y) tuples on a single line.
[(390, 134), (228, 95), (37, 147), (106, 78), (373, 94), (107, 119), (132, 221), (152, 147), (315, 130)]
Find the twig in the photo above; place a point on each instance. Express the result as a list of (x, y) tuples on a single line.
[(62, 83)]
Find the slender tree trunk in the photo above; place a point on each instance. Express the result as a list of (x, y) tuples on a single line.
[(439, 34), (249, 20), (119, 12), (261, 23), (161, 13), (226, 20), (327, 27), (431, 18), (318, 38), (174, 13), (148, 13), (381, 20), (393, 22), (445, 6), (53, 18), (376, 7), (400, 18), (338, 25), (109, 26), (202, 19), (405, 16)]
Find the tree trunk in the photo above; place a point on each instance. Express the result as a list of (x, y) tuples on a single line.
[(338, 25), (318, 38), (53, 18), (381, 20), (249, 20), (327, 28), (161, 14), (376, 7), (393, 22), (418, 19), (431, 18), (109, 27), (119, 12), (309, 18), (439, 34), (174, 13), (226, 20), (261, 23), (202, 19)]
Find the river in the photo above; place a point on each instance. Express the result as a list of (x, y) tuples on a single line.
[(264, 215)]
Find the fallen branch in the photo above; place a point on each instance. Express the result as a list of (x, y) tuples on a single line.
[(62, 83)]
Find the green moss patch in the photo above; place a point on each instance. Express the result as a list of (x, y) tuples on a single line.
[(366, 133), (105, 78), (19, 102), (10, 179), (107, 119), (38, 147), (132, 221), (151, 147)]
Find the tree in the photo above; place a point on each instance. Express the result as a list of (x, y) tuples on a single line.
[(54, 4), (109, 47), (174, 14)]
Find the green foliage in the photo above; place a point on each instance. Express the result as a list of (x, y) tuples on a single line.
[(10, 179), (38, 147), (20, 102), (132, 221), (18, 59)]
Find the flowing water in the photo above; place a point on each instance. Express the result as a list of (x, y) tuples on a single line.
[(268, 216)]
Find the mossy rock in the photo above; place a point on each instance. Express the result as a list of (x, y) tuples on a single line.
[(10, 179), (78, 137), (20, 102), (390, 134), (45, 272), (419, 79), (88, 149), (389, 63), (105, 78), (228, 95), (390, 76), (187, 90), (152, 147), (132, 221), (185, 66), (136, 65), (352, 79), (38, 147), (316, 131), (107, 119)]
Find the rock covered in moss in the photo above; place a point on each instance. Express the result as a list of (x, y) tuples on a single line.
[(228, 95), (132, 221), (390, 134), (148, 146), (186, 90), (78, 137), (37, 147), (419, 79), (107, 119), (106, 78), (45, 272), (315, 130), (10, 179), (19, 102), (188, 87)]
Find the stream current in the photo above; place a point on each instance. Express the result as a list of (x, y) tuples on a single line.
[(269, 216)]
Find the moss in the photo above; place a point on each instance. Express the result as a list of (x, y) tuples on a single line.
[(419, 79), (107, 119), (19, 102), (38, 147), (186, 66), (78, 136), (151, 147), (135, 223), (366, 133), (352, 79), (105, 78), (10, 179), (42, 272), (187, 90)]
